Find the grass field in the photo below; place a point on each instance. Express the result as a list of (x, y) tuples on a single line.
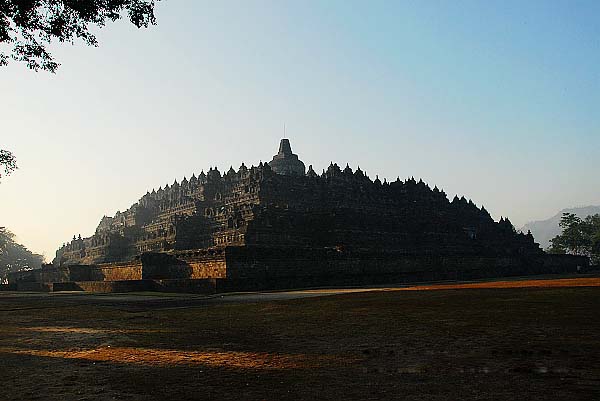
[(503, 342)]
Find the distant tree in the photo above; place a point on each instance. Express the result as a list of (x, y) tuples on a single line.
[(14, 256), (572, 238), (578, 237), (8, 162), (593, 232), (28, 25)]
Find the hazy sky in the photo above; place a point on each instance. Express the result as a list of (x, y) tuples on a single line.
[(497, 101)]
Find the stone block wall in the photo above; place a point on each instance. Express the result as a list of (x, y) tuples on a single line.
[(255, 268), (206, 263), (105, 286), (202, 286), (196, 264), (121, 271), (34, 286), (106, 272), (52, 274), (194, 286)]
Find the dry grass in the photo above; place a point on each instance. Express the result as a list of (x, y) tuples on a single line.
[(496, 343), (544, 283)]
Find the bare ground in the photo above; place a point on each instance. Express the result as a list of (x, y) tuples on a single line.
[(503, 340)]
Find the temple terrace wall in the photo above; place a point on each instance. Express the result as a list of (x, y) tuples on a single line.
[(262, 268), (256, 268)]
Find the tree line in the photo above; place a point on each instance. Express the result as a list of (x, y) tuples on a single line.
[(578, 237), (14, 256)]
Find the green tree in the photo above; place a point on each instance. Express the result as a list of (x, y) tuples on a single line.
[(8, 162), (14, 256), (592, 232), (29, 25), (578, 237)]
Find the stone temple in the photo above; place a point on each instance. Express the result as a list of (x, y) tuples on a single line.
[(285, 162), (278, 225)]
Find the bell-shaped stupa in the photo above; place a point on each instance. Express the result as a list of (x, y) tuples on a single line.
[(285, 162)]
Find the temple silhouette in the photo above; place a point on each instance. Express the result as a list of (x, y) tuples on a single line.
[(277, 225)]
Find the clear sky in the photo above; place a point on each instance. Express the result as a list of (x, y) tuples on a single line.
[(499, 101)]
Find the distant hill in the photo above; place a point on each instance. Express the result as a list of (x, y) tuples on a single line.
[(543, 231)]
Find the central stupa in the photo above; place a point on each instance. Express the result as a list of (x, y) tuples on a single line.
[(285, 162)]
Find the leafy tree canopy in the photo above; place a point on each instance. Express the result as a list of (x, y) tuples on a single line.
[(578, 237), (8, 162), (14, 256), (29, 25)]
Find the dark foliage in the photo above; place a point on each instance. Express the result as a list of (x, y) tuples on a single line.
[(578, 237), (28, 25), (8, 162), (14, 256)]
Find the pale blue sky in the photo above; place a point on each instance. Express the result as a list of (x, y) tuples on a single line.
[(499, 101)]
